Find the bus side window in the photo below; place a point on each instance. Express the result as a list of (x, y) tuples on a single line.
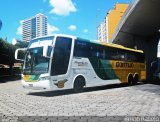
[(81, 49), (97, 51)]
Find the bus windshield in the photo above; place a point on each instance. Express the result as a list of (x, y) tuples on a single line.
[(35, 63)]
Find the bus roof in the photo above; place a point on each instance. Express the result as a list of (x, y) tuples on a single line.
[(95, 41), (111, 45), (121, 47)]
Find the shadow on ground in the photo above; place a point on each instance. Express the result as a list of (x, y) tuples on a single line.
[(5, 79), (155, 82), (71, 91)]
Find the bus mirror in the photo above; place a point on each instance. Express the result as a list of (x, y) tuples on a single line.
[(47, 51), (20, 54)]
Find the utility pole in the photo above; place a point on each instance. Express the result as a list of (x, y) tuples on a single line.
[(97, 12), (0, 24)]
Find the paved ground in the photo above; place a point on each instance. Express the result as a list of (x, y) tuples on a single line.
[(139, 100)]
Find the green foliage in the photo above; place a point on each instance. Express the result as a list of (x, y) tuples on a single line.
[(7, 48), (22, 44), (7, 51)]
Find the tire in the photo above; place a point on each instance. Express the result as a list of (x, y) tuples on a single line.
[(79, 84), (136, 79), (130, 80)]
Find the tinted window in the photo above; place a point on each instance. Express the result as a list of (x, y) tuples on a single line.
[(49, 50), (87, 49), (61, 56), (81, 49), (93, 50), (97, 51), (112, 53)]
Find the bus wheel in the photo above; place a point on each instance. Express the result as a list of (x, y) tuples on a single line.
[(136, 79), (130, 79), (79, 84)]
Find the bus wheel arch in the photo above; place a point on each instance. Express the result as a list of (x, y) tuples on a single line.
[(130, 79), (79, 83)]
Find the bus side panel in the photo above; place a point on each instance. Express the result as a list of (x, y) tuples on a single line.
[(123, 69), (92, 74)]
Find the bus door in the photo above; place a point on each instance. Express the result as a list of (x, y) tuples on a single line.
[(61, 56)]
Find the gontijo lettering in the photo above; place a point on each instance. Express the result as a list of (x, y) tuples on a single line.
[(122, 64)]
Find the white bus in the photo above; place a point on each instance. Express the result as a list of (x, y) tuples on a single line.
[(63, 62)]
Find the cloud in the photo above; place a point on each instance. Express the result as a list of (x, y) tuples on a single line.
[(54, 18), (52, 29), (14, 41), (72, 27), (62, 7), (19, 29), (85, 31)]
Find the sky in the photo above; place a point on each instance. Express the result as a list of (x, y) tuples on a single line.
[(74, 17)]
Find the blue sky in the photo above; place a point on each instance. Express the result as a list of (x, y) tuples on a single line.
[(74, 17)]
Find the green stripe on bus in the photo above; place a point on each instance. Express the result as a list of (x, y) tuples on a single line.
[(103, 69)]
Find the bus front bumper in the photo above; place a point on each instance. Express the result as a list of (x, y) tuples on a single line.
[(39, 85)]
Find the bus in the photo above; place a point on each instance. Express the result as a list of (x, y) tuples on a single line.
[(64, 62), (155, 65)]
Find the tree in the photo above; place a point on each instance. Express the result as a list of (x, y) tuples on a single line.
[(7, 52), (21, 44), (6, 47)]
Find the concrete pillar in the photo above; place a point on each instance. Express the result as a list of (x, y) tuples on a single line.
[(149, 46)]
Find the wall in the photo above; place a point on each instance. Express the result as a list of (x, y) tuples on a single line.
[(114, 17)]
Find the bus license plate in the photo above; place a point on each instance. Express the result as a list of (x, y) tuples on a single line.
[(30, 85)]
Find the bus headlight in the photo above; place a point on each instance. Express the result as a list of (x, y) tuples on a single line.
[(44, 78)]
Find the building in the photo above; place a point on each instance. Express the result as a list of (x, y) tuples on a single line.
[(114, 17), (103, 31), (34, 27), (109, 24)]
